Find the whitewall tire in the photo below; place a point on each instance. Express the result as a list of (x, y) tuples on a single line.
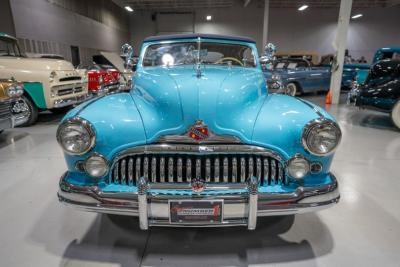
[(395, 114), (291, 89)]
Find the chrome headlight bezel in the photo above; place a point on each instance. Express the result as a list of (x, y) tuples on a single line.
[(15, 90), (91, 157), (80, 122), (320, 123), (276, 77)]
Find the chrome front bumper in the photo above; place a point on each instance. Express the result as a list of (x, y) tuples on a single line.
[(6, 123), (60, 103), (240, 209)]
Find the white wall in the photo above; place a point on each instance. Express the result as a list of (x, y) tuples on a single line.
[(311, 30), (39, 20)]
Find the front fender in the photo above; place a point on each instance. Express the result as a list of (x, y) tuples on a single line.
[(117, 123), (280, 125)]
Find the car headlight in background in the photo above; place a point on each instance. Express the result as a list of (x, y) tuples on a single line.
[(15, 90), (53, 74), (96, 165), (298, 167), (76, 136), (276, 77), (321, 137)]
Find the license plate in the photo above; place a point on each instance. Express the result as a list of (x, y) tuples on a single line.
[(192, 211)]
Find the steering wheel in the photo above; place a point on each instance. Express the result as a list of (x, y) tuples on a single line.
[(229, 58)]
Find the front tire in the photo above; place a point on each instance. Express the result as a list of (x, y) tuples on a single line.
[(33, 111), (395, 114), (291, 89)]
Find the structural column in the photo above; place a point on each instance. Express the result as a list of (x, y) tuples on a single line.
[(340, 46), (265, 25)]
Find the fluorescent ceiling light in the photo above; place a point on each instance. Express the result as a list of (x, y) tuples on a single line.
[(129, 8), (303, 7), (209, 17), (357, 16)]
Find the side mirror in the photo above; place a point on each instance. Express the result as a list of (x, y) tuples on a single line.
[(127, 54)]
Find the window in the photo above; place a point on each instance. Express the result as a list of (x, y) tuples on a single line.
[(9, 47)]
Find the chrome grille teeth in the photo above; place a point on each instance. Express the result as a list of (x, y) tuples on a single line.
[(179, 165), (225, 170), (162, 169), (242, 170), (179, 169), (198, 168), (208, 170), (216, 170), (266, 171), (273, 171), (138, 168), (170, 170), (154, 170), (130, 171), (188, 170), (234, 170), (123, 171)]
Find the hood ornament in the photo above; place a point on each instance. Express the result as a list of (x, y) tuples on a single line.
[(199, 131)]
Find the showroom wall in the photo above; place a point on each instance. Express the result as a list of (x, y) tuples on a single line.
[(7, 23), (53, 26), (289, 29)]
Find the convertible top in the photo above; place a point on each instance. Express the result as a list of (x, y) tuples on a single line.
[(198, 35)]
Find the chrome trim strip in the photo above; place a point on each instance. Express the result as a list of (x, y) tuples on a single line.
[(253, 199), (211, 139)]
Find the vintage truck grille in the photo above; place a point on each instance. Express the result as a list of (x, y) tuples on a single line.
[(63, 90), (212, 168), (71, 78), (5, 110)]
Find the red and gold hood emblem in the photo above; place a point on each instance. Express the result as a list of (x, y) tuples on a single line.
[(199, 131)]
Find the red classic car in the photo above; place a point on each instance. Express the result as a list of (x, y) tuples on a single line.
[(102, 79)]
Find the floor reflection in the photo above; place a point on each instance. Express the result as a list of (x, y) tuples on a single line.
[(118, 240)]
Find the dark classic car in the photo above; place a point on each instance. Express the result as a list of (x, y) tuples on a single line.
[(12, 111), (381, 89), (198, 141)]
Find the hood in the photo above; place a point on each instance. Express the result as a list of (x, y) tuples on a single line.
[(116, 61), (36, 64), (226, 99)]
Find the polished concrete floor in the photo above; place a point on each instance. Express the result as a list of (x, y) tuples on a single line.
[(362, 230)]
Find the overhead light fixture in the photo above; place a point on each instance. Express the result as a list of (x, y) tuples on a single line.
[(129, 8), (209, 17), (303, 7), (357, 16)]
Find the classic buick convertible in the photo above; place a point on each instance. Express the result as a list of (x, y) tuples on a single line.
[(49, 83), (198, 141)]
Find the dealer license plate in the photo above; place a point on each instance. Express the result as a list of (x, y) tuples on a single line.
[(192, 211)]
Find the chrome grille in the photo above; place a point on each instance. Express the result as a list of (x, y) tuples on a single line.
[(5, 110), (182, 168)]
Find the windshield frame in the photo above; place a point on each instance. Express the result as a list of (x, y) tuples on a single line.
[(146, 45), (14, 42)]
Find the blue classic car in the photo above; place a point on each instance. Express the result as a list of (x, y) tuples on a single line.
[(295, 76), (198, 141)]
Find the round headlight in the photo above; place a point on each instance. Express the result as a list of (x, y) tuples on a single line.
[(76, 136), (298, 167), (276, 77), (12, 91), (321, 137), (96, 165), (20, 90)]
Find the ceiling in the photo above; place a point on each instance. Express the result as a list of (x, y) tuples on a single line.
[(163, 5)]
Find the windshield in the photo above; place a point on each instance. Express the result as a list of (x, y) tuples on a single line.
[(205, 52), (9, 47)]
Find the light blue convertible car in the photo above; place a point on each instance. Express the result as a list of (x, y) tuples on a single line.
[(198, 141)]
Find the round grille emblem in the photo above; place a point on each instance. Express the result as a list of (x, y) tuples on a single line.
[(198, 185)]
